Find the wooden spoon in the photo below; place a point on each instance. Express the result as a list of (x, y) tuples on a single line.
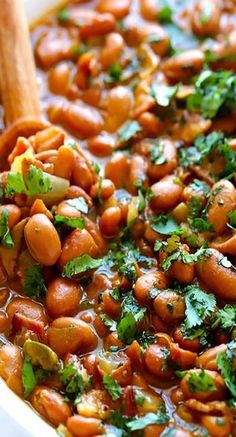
[(18, 85)]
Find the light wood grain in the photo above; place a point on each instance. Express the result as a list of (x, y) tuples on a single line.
[(18, 86)]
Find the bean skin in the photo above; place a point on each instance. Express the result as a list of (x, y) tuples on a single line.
[(50, 404), (183, 65), (117, 169), (167, 193), (113, 47), (82, 426), (206, 25), (98, 25), (158, 171), (42, 240), (118, 8), (218, 278), (26, 307), (110, 221), (160, 47), (156, 362), (11, 363), (222, 201), (70, 335), (217, 426), (14, 214), (63, 298), (149, 9), (207, 360), (225, 244)]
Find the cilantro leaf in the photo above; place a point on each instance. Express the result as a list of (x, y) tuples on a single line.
[(199, 305), (138, 423), (79, 203), (108, 322), (225, 318), (232, 219), (63, 15), (34, 285), (71, 222), (115, 73), (5, 236), (146, 338), (180, 254), (157, 153), (34, 182), (112, 387), (28, 377), (128, 131), (200, 187), (213, 91), (165, 224), (75, 380), (81, 264), (200, 224), (201, 381), (226, 364), (132, 313), (163, 94), (165, 11)]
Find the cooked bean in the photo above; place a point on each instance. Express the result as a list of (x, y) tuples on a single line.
[(27, 308), (63, 298), (146, 282), (70, 335), (110, 221), (189, 391), (64, 162), (117, 169), (59, 77), (225, 244), (13, 214), (159, 36), (169, 163), (42, 240), (82, 426), (82, 174), (207, 360), (183, 65), (170, 306), (156, 361), (149, 9), (222, 200), (216, 426), (11, 363), (97, 25), (206, 17), (118, 8), (114, 44), (48, 139), (106, 190), (218, 275), (167, 193), (50, 404), (101, 145), (76, 244), (119, 105)]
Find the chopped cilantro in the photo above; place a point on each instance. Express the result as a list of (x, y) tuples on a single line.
[(132, 313), (165, 11), (63, 15), (35, 182), (71, 222), (165, 224), (139, 423), (226, 364), (34, 285), (225, 318), (79, 203), (128, 131), (76, 381), (200, 381), (214, 91), (28, 377), (112, 387), (199, 305), (195, 206), (146, 338), (206, 13), (200, 187), (163, 94), (200, 224), (80, 264), (232, 219), (115, 73), (157, 153), (108, 322), (5, 235)]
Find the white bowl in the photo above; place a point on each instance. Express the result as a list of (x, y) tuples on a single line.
[(17, 419)]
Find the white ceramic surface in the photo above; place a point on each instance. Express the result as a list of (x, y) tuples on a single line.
[(17, 419)]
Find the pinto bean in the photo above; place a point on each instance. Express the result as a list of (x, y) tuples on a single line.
[(119, 105), (76, 244), (110, 221), (117, 169), (222, 200), (137, 173), (170, 306), (83, 121), (63, 298), (146, 282), (82, 174), (50, 404), (59, 77), (225, 244), (54, 46), (218, 275), (206, 17), (216, 426), (42, 240), (207, 360), (167, 193), (114, 44), (64, 162), (101, 145), (184, 273), (156, 361), (13, 214), (26, 307), (161, 44), (11, 363), (169, 154), (70, 335), (184, 65), (97, 25), (81, 426), (107, 189), (47, 139), (118, 8), (150, 123), (149, 9), (207, 395)]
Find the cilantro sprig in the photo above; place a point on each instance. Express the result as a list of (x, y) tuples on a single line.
[(34, 182), (5, 235)]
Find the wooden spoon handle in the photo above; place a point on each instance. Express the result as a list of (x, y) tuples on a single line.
[(19, 91)]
